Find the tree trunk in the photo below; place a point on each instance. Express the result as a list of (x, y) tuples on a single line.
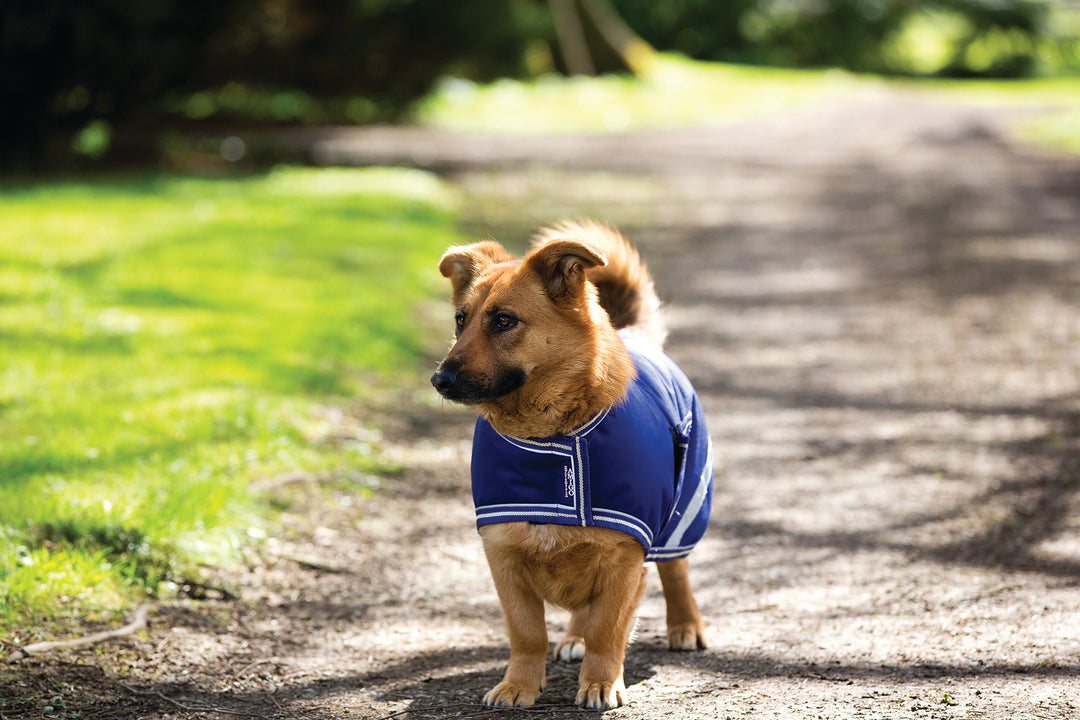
[(571, 34), (634, 51), (593, 37)]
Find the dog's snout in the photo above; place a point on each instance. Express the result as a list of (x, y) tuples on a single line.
[(445, 377)]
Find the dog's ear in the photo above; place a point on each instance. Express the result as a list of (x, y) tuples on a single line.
[(464, 263), (561, 265)]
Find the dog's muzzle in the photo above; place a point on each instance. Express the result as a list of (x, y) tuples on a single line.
[(446, 377), (454, 383)]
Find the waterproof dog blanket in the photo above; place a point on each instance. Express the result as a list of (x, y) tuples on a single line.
[(643, 466)]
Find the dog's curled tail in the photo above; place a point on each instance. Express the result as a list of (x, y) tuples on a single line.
[(623, 283)]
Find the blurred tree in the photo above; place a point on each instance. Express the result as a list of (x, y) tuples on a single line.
[(701, 29), (1013, 27), (107, 73), (570, 29), (100, 77), (594, 38), (65, 64), (852, 34)]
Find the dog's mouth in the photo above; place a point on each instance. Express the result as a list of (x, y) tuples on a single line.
[(454, 383)]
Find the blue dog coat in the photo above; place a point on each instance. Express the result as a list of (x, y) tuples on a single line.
[(643, 467)]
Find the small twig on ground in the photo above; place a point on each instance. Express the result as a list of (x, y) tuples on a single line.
[(422, 709), (199, 708), (482, 713), (481, 710), (138, 623), (311, 564)]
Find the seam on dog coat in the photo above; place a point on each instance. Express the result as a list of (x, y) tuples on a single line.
[(643, 466)]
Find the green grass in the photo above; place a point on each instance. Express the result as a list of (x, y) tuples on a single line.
[(1055, 104), (676, 92), (165, 341), (1058, 129), (673, 92)]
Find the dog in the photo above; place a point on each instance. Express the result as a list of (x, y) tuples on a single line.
[(590, 455)]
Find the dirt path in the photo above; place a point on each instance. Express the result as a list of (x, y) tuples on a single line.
[(880, 304)]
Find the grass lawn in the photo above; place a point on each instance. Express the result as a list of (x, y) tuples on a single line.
[(678, 92), (1057, 126), (673, 92), (165, 341)]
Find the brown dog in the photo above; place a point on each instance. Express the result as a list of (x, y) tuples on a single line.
[(591, 453)]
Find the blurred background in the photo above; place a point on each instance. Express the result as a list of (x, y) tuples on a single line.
[(114, 81), (213, 356)]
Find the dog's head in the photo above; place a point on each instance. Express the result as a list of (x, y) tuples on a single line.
[(519, 323)]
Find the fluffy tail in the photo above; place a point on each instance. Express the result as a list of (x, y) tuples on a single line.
[(624, 285)]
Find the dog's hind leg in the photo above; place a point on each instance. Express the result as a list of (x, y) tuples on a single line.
[(686, 629), (572, 647)]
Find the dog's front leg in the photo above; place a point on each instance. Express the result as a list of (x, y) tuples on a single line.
[(610, 620), (523, 609)]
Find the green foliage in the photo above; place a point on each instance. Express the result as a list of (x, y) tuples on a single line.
[(65, 65), (999, 39), (165, 341), (114, 71), (107, 79)]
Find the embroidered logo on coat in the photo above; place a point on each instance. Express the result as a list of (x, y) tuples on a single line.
[(568, 479)]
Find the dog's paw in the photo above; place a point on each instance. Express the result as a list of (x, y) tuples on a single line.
[(686, 636), (570, 649), (601, 695), (508, 694)]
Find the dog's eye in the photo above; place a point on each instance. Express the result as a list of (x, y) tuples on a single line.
[(459, 322), (503, 322)]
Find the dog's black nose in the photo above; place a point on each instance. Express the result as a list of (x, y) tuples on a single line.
[(444, 378)]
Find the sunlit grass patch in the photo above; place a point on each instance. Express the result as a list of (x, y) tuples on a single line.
[(676, 92), (1056, 129), (1054, 104), (673, 92), (165, 342)]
